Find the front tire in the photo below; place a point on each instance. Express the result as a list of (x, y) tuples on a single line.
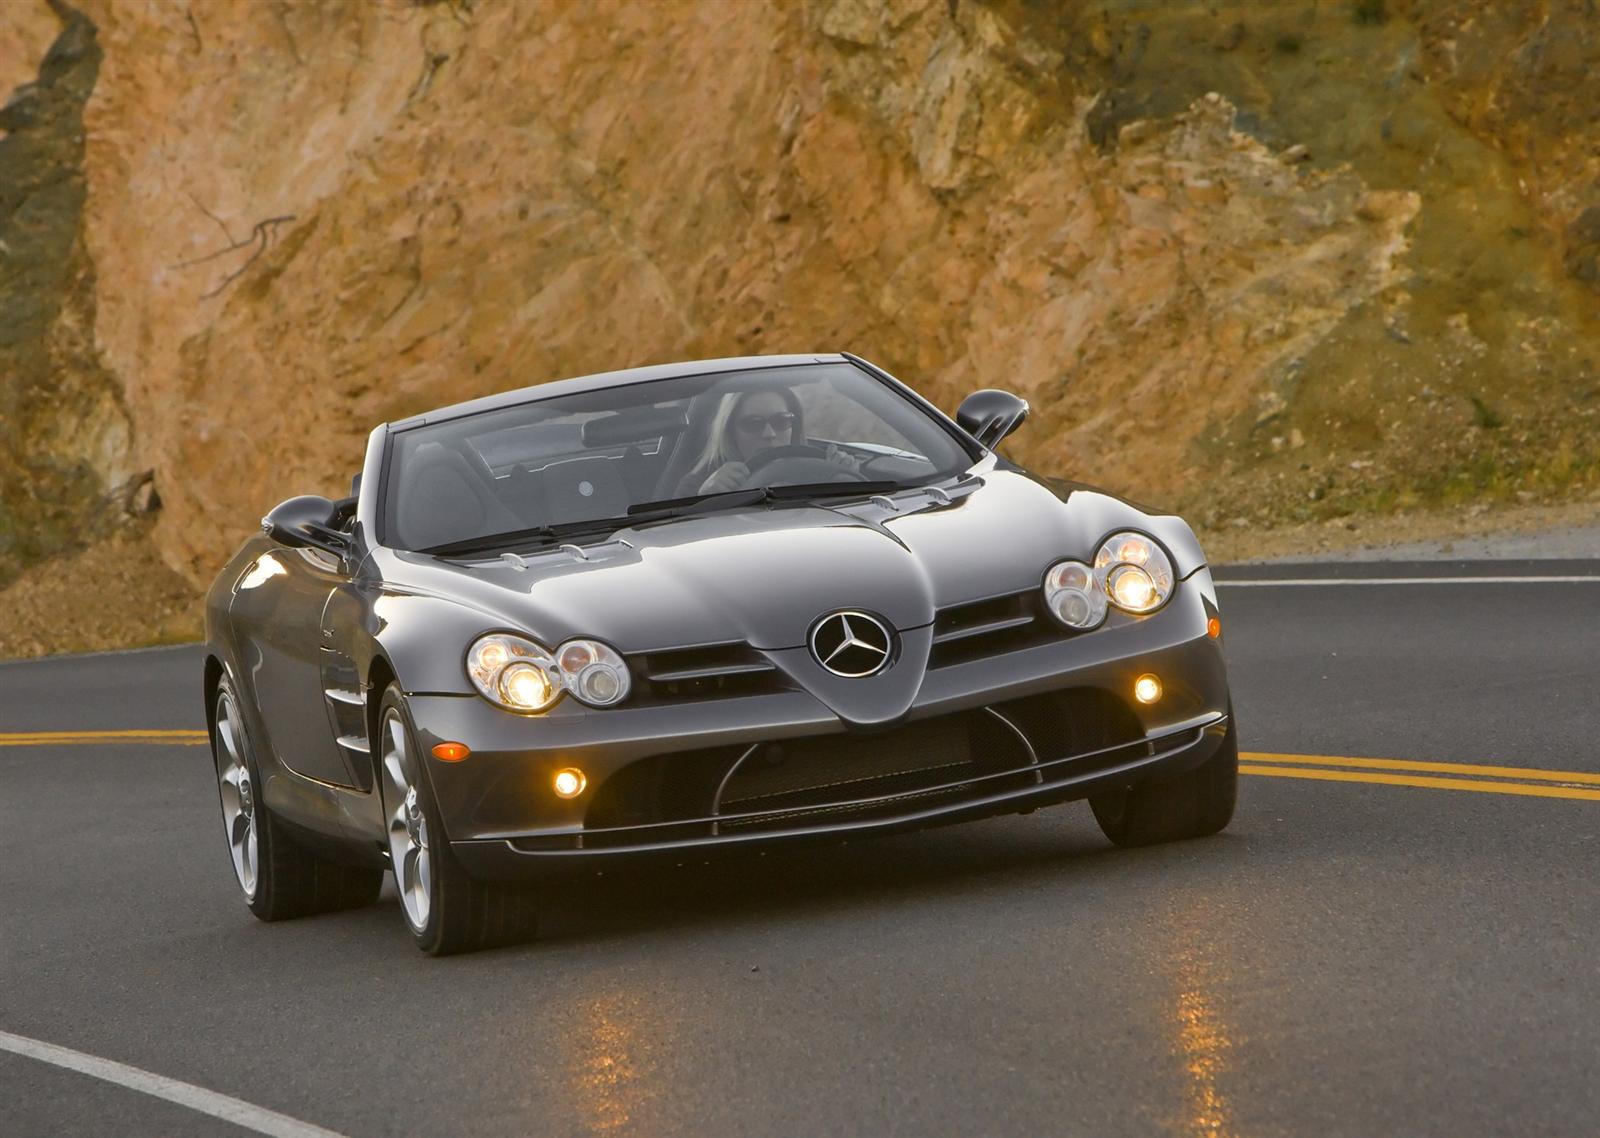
[(446, 910), (1194, 804), (278, 878)]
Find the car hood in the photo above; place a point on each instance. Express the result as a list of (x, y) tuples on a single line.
[(763, 576)]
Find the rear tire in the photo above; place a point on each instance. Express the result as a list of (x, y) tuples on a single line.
[(446, 910), (278, 878), (1193, 804)]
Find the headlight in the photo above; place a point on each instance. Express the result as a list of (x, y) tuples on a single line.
[(1073, 596), (1134, 572), (593, 672), (515, 673)]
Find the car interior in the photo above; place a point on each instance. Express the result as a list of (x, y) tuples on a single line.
[(587, 464)]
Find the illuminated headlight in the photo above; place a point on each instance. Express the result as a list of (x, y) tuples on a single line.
[(1134, 572), (593, 672), (518, 675), (1072, 595), (514, 673)]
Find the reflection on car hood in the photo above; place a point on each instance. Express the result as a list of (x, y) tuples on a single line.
[(764, 576)]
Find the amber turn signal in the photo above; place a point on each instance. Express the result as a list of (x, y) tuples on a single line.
[(450, 752), (1213, 628)]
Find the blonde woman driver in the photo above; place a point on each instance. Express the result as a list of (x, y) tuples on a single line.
[(746, 424)]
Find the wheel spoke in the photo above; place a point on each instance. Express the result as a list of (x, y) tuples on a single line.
[(248, 861), (408, 872), (397, 738), (394, 774), (424, 877)]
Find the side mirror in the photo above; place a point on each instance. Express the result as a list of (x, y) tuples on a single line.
[(991, 415), (307, 521)]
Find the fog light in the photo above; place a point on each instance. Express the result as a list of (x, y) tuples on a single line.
[(450, 752), (569, 782), (1147, 689)]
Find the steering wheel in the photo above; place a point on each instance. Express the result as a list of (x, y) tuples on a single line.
[(796, 465)]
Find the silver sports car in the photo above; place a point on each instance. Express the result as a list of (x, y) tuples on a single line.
[(704, 606)]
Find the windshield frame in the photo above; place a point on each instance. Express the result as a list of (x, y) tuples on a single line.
[(392, 431)]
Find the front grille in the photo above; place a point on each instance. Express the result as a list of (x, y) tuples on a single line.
[(795, 783), (803, 773), (715, 671), (979, 629), (661, 788), (1060, 724)]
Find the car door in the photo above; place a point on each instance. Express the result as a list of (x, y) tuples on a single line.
[(278, 609)]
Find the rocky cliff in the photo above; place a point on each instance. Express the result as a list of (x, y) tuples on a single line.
[(1263, 263)]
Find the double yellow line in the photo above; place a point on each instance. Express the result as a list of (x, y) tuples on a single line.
[(1433, 776), (66, 738)]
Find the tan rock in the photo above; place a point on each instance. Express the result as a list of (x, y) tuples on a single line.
[(305, 219)]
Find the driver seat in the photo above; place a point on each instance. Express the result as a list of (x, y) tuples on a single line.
[(691, 443)]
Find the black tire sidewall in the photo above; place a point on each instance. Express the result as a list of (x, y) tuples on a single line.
[(1197, 803)]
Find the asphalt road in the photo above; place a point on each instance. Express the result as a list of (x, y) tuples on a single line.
[(1349, 958)]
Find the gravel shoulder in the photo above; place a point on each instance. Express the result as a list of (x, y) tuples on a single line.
[(1564, 532)]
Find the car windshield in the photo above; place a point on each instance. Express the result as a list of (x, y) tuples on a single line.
[(548, 467)]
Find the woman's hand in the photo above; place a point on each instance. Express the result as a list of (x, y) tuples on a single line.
[(846, 463), (728, 476)]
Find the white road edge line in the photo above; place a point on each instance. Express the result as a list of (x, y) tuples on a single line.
[(236, 1111), (1301, 582)]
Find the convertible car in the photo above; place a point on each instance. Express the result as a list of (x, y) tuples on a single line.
[(690, 608)]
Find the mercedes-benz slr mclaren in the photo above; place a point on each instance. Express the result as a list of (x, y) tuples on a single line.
[(700, 607)]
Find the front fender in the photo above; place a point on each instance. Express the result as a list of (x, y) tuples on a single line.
[(1106, 513), (425, 639)]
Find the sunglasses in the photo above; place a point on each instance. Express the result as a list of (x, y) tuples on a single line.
[(752, 424)]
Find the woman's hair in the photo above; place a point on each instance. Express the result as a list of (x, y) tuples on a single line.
[(720, 445)]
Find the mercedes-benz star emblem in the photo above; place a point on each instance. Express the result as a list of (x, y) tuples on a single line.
[(851, 644)]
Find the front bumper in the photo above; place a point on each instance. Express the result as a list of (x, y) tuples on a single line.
[(503, 819)]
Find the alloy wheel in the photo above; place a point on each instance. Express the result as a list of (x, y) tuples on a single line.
[(238, 794), (408, 825)]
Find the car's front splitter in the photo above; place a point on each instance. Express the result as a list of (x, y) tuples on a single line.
[(1062, 780)]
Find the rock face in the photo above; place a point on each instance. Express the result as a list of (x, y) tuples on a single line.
[(63, 429), (1217, 240), (1527, 77)]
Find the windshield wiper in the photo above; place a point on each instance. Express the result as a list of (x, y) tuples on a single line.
[(835, 489), (755, 495), (665, 509), (557, 532), (698, 503), (489, 541)]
